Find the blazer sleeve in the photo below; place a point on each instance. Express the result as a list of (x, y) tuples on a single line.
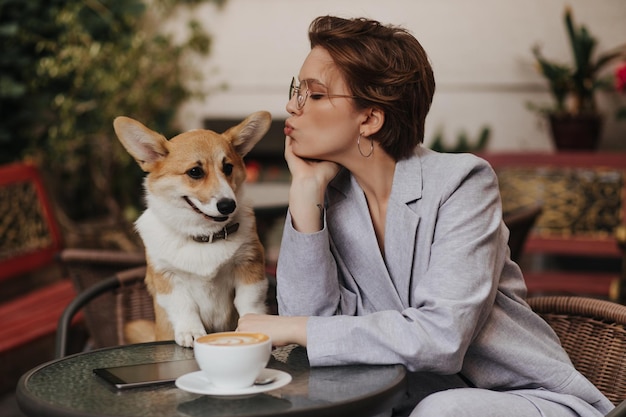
[(308, 283), (459, 257)]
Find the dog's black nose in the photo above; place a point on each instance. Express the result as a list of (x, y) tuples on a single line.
[(226, 206)]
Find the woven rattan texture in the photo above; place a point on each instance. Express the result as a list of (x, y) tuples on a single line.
[(23, 227), (593, 334), (133, 302), (105, 314)]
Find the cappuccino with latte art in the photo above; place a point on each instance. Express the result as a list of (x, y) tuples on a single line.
[(232, 360)]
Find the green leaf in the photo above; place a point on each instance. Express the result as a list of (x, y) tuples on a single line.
[(69, 67)]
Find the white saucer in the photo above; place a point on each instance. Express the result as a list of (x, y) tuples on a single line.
[(197, 383)]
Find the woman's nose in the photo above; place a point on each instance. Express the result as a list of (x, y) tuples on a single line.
[(291, 105)]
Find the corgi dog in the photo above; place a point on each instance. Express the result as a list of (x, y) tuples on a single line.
[(205, 262)]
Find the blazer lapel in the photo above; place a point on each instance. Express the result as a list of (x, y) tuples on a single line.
[(401, 225), (358, 255)]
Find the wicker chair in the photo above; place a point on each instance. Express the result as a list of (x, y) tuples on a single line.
[(593, 332), (520, 221), (111, 287)]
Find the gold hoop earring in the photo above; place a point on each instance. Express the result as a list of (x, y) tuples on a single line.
[(358, 145)]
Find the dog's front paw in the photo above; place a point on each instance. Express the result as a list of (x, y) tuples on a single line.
[(186, 338)]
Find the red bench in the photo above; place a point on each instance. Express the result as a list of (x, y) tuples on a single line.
[(30, 239), (34, 315)]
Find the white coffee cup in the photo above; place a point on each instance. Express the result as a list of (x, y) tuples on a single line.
[(232, 360)]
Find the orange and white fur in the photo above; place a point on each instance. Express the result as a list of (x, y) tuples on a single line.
[(205, 260)]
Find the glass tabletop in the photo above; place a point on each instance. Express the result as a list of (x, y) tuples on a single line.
[(67, 387)]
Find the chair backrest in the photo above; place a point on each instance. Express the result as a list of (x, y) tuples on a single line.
[(520, 221), (593, 333), (29, 233), (106, 315)]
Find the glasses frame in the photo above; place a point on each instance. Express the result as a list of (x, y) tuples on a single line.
[(296, 90)]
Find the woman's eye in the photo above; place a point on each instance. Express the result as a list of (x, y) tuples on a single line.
[(228, 168), (317, 96), (196, 173)]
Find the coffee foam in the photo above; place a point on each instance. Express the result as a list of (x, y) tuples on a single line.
[(233, 339)]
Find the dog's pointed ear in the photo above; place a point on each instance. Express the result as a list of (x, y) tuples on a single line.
[(145, 145), (249, 132)]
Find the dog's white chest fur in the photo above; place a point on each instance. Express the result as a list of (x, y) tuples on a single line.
[(201, 277), (174, 252)]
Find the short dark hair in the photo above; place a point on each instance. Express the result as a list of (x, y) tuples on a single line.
[(385, 67)]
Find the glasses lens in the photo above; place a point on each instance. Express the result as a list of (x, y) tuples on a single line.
[(303, 93), (297, 90)]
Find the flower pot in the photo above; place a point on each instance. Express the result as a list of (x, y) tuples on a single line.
[(576, 132)]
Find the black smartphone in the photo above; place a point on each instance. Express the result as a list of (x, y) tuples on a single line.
[(134, 376)]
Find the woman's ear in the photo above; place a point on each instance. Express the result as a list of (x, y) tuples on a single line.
[(374, 119)]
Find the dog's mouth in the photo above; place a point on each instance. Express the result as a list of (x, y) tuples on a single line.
[(197, 210)]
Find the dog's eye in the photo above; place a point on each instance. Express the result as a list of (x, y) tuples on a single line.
[(228, 168), (196, 173)]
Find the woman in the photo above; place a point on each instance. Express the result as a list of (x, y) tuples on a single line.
[(393, 253)]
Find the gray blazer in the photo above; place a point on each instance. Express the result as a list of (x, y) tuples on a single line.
[(445, 298)]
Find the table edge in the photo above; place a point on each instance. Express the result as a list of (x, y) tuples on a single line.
[(372, 403)]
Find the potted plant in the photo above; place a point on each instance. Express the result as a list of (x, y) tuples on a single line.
[(574, 120)]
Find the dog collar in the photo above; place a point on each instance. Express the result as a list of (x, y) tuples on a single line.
[(222, 234)]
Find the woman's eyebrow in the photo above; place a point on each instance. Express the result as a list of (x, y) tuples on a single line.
[(313, 81)]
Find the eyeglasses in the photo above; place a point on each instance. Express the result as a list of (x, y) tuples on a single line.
[(297, 90)]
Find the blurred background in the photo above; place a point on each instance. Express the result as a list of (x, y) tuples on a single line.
[(480, 50), (69, 67), (508, 74)]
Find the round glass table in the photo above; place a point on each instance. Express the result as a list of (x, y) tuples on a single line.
[(67, 387)]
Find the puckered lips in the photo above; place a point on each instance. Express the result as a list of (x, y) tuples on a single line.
[(197, 210), (288, 129)]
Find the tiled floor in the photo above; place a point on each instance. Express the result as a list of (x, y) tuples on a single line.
[(8, 406)]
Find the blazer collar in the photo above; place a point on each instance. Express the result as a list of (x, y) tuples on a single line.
[(407, 180)]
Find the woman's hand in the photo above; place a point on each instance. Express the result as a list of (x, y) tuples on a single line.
[(318, 171), (282, 330), (306, 195)]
